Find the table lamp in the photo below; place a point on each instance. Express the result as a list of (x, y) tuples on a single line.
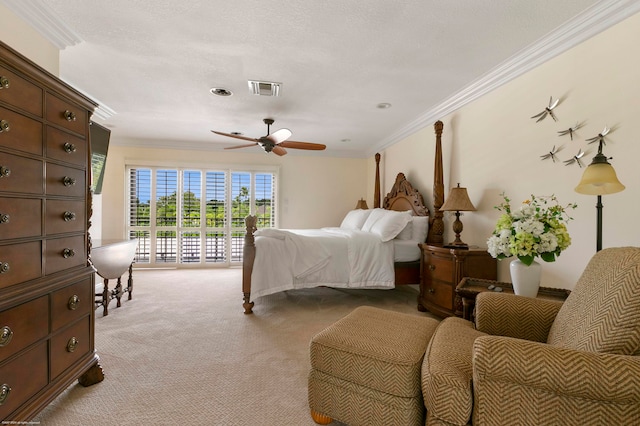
[(599, 179), (458, 201), (362, 204)]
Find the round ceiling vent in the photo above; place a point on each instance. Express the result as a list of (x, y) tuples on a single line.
[(219, 91)]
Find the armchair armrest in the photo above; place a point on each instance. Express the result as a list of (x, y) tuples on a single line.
[(552, 385), (504, 314), (581, 374)]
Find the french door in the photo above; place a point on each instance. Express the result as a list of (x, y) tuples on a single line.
[(196, 216)]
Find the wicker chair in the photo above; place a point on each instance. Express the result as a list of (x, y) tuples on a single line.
[(537, 362)]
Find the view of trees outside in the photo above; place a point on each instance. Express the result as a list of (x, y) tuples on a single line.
[(178, 236)]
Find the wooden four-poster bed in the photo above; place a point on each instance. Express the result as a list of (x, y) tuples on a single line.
[(293, 246)]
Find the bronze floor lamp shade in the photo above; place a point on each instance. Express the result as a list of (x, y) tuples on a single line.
[(599, 179)]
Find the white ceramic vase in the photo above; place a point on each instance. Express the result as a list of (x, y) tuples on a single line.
[(525, 279)]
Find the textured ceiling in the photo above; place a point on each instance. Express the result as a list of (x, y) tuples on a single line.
[(151, 63)]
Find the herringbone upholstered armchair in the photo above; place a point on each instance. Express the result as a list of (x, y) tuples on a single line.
[(536, 362)]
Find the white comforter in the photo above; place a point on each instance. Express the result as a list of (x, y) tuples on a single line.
[(333, 257)]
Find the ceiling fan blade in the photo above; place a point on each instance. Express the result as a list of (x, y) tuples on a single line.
[(278, 150), (242, 146), (231, 135), (279, 136), (303, 145)]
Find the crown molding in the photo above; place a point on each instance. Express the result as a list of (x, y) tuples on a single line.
[(44, 20), (591, 22)]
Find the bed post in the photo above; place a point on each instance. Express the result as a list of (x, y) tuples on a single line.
[(376, 192), (248, 256), (436, 227)]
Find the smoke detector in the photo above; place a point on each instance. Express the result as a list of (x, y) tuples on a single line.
[(264, 88)]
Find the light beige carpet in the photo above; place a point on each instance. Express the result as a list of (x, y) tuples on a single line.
[(183, 353)]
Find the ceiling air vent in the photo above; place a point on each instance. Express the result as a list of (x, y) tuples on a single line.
[(264, 88)]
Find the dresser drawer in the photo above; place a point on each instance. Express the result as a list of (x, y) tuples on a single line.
[(20, 262), (64, 253), (438, 268), (70, 345), (23, 325), (25, 376), (440, 294), (66, 114), (65, 181), (66, 147), (19, 174), (20, 217), (20, 132), (64, 216), (70, 303), (20, 92)]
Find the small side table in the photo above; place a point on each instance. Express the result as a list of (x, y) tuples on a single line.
[(111, 259), (469, 288)]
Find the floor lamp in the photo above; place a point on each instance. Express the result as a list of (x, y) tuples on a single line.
[(599, 179)]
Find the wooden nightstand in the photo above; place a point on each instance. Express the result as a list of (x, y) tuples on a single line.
[(441, 269)]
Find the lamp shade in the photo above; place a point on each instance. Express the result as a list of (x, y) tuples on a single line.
[(599, 179), (458, 200), (362, 204)]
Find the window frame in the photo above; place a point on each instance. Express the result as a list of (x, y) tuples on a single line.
[(229, 230)]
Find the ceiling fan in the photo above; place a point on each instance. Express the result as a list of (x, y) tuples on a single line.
[(275, 142)]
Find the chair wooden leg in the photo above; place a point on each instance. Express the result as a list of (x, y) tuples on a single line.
[(320, 418)]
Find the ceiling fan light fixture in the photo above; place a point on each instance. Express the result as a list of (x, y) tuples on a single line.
[(219, 91), (264, 88)]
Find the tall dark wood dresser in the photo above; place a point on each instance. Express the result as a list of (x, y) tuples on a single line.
[(46, 283)]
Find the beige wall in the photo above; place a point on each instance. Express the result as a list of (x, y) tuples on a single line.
[(23, 38), (313, 191), (489, 146), (492, 145)]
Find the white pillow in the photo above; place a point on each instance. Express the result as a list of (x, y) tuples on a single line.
[(386, 223), (419, 228), (407, 232), (355, 219)]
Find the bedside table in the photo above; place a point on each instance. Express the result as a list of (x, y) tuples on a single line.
[(441, 269), (469, 288)]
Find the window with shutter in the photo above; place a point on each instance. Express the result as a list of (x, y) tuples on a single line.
[(196, 217)]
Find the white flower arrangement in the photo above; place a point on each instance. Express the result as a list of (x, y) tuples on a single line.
[(535, 229)]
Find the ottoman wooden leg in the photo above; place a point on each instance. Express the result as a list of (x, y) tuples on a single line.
[(320, 418)]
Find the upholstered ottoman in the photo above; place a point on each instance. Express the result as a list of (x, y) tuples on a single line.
[(365, 368)]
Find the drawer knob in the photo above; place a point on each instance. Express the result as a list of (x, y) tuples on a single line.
[(4, 171), (68, 181), (4, 126), (69, 216), (432, 267), (4, 218), (72, 344), (69, 115), (67, 253), (4, 82), (73, 302), (5, 389), (69, 147), (4, 267), (6, 334)]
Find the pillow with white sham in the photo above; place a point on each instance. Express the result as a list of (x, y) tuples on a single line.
[(355, 219), (407, 232), (386, 223), (419, 228)]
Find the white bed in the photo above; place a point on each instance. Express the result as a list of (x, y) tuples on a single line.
[(361, 253)]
